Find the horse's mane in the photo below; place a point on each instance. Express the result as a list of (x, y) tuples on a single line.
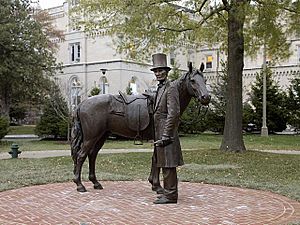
[(182, 78)]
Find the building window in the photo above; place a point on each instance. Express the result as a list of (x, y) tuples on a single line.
[(103, 85), (209, 60), (172, 58), (75, 92), (152, 86), (75, 52), (132, 86), (190, 58), (298, 53)]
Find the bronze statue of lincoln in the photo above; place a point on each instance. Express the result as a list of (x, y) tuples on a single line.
[(167, 153)]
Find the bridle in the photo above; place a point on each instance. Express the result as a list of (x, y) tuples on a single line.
[(200, 106)]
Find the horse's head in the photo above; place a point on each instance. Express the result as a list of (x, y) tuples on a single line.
[(197, 87)]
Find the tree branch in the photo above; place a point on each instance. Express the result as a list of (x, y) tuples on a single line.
[(226, 5), (212, 12), (201, 7), (173, 29)]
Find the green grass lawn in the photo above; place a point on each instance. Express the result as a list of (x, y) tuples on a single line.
[(201, 141), (274, 172), (25, 129), (278, 173)]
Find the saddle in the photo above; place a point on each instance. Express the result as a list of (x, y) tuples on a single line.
[(135, 108)]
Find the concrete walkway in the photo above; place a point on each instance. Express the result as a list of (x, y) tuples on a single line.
[(57, 153), (21, 136), (289, 152)]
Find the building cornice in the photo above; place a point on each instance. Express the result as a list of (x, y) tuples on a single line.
[(107, 62)]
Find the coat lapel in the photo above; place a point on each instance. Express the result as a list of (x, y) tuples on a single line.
[(159, 95)]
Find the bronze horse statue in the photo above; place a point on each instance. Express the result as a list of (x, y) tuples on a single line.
[(130, 116)]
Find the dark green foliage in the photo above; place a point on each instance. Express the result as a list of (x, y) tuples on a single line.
[(248, 115), (217, 111), (175, 73), (215, 121), (95, 91), (293, 103), (276, 111), (128, 90), (26, 58), (216, 114), (55, 118), (4, 125), (17, 112), (193, 119)]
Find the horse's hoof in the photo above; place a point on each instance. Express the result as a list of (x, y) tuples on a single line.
[(98, 186), (81, 189)]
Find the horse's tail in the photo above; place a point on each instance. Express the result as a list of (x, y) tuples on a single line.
[(76, 136)]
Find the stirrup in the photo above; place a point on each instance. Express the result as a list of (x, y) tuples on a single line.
[(138, 140)]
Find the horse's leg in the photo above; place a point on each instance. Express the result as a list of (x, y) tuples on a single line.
[(82, 154), (92, 162), (154, 175)]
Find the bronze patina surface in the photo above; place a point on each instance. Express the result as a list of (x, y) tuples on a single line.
[(129, 116)]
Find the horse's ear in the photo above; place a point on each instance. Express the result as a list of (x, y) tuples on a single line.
[(202, 67), (190, 67)]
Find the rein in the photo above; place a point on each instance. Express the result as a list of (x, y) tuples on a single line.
[(196, 119)]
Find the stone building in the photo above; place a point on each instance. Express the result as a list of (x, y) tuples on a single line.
[(90, 61), (283, 71)]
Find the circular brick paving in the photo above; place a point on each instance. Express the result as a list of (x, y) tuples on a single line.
[(126, 202)]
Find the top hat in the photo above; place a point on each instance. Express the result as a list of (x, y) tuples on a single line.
[(160, 62)]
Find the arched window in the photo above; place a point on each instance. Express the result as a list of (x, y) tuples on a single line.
[(133, 85), (76, 88), (103, 85), (152, 86)]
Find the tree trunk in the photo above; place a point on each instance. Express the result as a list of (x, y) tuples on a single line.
[(4, 103), (233, 130)]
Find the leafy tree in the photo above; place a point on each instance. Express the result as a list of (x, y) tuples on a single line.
[(44, 19), (248, 115), (17, 112), (55, 118), (175, 73), (95, 91), (217, 112), (148, 26), (26, 55), (4, 125), (128, 90), (193, 119), (293, 103), (276, 111)]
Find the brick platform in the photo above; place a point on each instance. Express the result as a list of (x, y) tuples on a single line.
[(128, 202)]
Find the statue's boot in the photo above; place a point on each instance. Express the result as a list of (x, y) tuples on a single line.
[(164, 200)]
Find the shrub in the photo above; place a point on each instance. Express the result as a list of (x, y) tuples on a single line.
[(4, 125), (55, 118)]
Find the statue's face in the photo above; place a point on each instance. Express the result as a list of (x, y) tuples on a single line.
[(161, 74)]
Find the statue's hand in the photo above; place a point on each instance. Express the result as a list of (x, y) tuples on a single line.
[(164, 141)]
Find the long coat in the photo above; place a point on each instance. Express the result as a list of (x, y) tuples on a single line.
[(166, 121)]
